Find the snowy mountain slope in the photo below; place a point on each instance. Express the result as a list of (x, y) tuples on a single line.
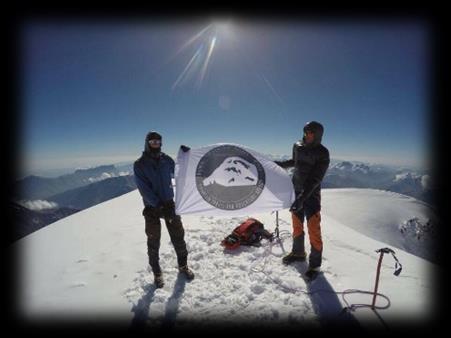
[(93, 266), (383, 215)]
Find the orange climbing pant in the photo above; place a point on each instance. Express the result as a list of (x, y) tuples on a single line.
[(298, 226), (314, 229)]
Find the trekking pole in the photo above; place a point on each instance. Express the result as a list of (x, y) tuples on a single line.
[(277, 224), (398, 268)]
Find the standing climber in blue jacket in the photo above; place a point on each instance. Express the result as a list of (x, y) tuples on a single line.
[(153, 173)]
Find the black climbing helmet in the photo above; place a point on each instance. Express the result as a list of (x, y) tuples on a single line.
[(316, 128), (152, 135)]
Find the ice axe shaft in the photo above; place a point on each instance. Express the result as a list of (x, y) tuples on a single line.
[(398, 268), (377, 279)]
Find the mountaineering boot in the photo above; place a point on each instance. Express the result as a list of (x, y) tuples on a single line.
[(186, 271), (158, 280), (292, 257), (312, 273)]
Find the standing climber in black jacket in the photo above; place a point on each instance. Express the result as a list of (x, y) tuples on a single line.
[(310, 161)]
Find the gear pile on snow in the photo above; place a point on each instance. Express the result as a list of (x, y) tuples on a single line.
[(250, 232)]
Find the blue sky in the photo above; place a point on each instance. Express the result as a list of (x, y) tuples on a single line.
[(92, 90)]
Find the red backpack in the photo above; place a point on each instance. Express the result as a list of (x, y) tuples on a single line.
[(250, 232)]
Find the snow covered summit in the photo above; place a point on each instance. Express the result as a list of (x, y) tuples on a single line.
[(93, 266)]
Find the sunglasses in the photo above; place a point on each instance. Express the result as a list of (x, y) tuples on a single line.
[(154, 142)]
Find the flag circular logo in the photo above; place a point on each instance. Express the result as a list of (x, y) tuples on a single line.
[(229, 177)]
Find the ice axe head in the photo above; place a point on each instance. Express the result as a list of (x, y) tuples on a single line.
[(398, 266)]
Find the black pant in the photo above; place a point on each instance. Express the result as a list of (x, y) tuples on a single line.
[(153, 232)]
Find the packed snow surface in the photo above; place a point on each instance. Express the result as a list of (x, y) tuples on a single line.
[(93, 265)]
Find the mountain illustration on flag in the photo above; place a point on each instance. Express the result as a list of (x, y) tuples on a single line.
[(233, 171)]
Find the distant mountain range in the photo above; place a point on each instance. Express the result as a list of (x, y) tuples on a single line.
[(95, 193), (36, 187), (39, 201), (345, 174)]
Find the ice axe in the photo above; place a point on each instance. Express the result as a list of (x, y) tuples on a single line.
[(398, 268)]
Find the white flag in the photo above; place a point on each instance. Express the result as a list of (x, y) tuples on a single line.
[(229, 179)]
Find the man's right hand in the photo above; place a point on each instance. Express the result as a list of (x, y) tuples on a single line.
[(298, 204)]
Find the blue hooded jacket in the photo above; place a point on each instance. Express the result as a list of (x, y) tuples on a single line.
[(153, 177)]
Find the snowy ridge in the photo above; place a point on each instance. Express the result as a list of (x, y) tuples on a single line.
[(106, 175), (93, 264), (348, 166)]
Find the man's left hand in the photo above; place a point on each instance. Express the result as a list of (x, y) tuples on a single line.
[(298, 205), (185, 148), (168, 209)]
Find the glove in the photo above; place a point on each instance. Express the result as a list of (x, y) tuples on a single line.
[(184, 148), (278, 163), (151, 212), (298, 204), (168, 210)]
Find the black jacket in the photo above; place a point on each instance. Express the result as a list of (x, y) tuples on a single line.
[(310, 162)]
